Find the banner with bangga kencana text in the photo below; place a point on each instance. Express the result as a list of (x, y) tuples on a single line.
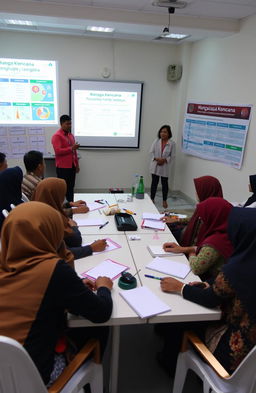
[(216, 132)]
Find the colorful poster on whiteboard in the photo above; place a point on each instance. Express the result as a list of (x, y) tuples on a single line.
[(216, 132)]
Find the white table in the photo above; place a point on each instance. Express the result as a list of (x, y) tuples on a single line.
[(134, 254), (181, 310)]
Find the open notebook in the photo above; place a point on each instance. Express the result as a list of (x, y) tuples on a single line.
[(144, 302)]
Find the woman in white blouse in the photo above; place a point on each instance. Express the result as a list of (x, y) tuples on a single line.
[(162, 153)]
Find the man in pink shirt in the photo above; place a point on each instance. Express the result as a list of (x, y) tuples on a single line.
[(66, 160)]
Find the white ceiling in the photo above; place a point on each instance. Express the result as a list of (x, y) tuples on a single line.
[(132, 19)]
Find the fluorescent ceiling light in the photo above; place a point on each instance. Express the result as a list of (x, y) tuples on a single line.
[(100, 29), (19, 22), (170, 4), (175, 36)]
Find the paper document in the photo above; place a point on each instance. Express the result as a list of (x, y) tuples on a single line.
[(167, 266), (86, 222), (158, 251), (144, 302), (95, 206), (160, 225), (177, 215), (108, 268), (152, 216), (111, 245)]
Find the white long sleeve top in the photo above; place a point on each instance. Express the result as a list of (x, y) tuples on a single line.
[(156, 152)]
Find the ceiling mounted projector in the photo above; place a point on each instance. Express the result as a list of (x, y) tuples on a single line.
[(172, 4)]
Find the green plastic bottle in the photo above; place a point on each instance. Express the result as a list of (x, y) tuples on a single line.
[(140, 189)]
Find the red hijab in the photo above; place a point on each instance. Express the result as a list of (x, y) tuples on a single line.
[(214, 214), (206, 187)]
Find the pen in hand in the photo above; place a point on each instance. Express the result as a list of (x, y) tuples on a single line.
[(103, 225), (156, 278)]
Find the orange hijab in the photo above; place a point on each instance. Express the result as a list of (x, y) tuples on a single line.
[(52, 191), (31, 235)]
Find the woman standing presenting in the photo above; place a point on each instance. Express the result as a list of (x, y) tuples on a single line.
[(162, 153)]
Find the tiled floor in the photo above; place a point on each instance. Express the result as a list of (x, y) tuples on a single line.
[(139, 371), (177, 202)]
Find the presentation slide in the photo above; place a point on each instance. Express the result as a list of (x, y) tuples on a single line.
[(106, 114), (28, 92)]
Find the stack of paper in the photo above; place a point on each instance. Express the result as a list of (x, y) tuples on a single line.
[(144, 302), (84, 222), (152, 216), (170, 267), (154, 224), (107, 268), (153, 220), (95, 206), (158, 251), (111, 245), (176, 215)]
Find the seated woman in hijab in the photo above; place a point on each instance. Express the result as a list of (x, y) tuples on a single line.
[(251, 201), (10, 186), (185, 230), (37, 288), (234, 290), (52, 191), (213, 247)]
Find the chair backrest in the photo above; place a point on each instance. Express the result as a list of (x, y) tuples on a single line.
[(5, 213), (18, 373), (24, 198)]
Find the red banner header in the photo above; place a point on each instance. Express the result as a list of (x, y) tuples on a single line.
[(237, 112)]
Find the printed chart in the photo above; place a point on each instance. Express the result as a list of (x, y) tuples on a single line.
[(216, 132)]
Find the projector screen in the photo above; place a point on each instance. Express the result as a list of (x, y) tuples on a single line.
[(28, 92), (106, 114)]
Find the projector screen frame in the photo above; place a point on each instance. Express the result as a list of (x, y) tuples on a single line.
[(108, 86)]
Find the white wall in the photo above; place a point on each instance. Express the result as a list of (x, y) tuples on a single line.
[(85, 58), (215, 70), (223, 71)]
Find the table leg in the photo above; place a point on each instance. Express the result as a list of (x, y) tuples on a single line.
[(113, 383)]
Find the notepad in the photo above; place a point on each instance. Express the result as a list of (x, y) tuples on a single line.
[(111, 245), (95, 206), (158, 251), (170, 267), (154, 224), (107, 268), (84, 222), (144, 302), (152, 216)]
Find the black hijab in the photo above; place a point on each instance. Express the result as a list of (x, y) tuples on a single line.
[(240, 271), (10, 189), (252, 198)]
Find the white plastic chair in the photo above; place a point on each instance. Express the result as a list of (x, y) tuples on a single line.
[(18, 373), (215, 378), (24, 197), (5, 213)]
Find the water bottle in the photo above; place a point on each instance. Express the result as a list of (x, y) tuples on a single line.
[(135, 184), (140, 189)]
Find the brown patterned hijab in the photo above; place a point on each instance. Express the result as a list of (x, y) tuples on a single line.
[(52, 191), (31, 235)]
